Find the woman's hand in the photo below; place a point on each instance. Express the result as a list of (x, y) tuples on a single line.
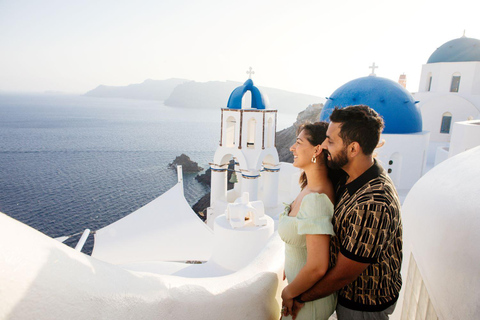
[(287, 302)]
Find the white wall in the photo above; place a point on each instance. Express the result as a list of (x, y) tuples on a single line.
[(441, 222), (442, 77), (44, 279), (465, 135), (408, 149), (433, 106)]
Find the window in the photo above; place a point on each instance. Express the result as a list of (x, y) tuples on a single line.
[(429, 83), (230, 132), (446, 122), (455, 82), (270, 133), (252, 123)]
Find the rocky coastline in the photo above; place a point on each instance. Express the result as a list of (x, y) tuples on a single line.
[(187, 164)]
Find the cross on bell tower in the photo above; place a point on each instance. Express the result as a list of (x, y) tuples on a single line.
[(373, 67), (250, 72)]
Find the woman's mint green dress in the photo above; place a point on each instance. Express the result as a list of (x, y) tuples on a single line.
[(313, 217)]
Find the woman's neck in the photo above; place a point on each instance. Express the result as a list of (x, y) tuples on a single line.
[(316, 177)]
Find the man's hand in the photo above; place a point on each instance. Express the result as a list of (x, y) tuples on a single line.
[(296, 308)]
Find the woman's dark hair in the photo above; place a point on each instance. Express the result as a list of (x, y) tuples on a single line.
[(315, 134)]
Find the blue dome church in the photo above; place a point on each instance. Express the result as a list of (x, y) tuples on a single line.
[(404, 142)]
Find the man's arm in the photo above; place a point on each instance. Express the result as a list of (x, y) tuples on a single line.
[(343, 273)]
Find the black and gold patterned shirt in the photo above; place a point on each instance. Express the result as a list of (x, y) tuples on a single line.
[(368, 229)]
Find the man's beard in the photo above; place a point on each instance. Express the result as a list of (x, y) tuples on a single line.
[(339, 161)]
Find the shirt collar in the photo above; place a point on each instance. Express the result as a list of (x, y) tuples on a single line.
[(374, 171)]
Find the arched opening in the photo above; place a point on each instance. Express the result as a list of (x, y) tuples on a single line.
[(247, 100), (232, 177), (230, 132), (455, 85), (429, 82), (268, 187), (252, 124), (446, 123), (270, 133)]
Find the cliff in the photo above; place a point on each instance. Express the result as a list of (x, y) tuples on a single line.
[(286, 137), (215, 94), (148, 90), (200, 95)]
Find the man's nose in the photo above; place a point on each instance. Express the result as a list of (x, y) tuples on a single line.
[(324, 144)]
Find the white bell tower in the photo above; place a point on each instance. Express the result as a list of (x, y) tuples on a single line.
[(247, 135)]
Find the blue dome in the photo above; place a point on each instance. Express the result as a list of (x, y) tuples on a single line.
[(395, 104), (457, 50), (235, 100)]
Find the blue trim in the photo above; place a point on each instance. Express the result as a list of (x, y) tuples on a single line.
[(268, 169), (247, 176), (235, 100)]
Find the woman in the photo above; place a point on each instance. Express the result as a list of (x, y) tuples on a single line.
[(306, 225)]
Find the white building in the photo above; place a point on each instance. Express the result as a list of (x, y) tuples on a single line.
[(440, 213), (248, 137), (449, 92)]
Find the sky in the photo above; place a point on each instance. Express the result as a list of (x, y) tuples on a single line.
[(310, 47)]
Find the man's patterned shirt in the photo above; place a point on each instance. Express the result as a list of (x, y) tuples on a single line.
[(368, 229)]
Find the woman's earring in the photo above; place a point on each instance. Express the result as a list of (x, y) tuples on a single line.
[(314, 159)]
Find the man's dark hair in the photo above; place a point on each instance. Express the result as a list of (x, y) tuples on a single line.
[(359, 124)]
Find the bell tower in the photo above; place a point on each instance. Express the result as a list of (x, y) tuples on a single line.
[(247, 135)]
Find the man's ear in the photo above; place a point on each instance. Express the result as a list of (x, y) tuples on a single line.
[(354, 149)]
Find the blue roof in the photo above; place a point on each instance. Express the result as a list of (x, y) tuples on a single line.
[(457, 50), (395, 104), (235, 100)]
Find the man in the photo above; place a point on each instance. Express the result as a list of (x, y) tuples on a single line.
[(366, 251)]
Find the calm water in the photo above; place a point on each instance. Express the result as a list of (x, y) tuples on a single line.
[(71, 162)]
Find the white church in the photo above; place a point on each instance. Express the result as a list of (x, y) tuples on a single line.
[(163, 262)]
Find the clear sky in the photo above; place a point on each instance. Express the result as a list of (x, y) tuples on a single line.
[(302, 46)]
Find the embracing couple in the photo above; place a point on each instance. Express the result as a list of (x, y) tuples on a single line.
[(343, 232)]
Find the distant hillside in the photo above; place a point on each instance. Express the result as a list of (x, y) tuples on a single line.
[(286, 137), (148, 90), (215, 94)]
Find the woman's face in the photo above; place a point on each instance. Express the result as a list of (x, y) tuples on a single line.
[(303, 151)]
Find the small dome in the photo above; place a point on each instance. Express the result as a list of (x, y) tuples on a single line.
[(457, 50), (395, 104), (235, 100)]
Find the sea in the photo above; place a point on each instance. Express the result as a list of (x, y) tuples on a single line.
[(72, 162)]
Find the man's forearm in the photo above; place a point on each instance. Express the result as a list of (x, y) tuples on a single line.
[(325, 287), (345, 272)]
